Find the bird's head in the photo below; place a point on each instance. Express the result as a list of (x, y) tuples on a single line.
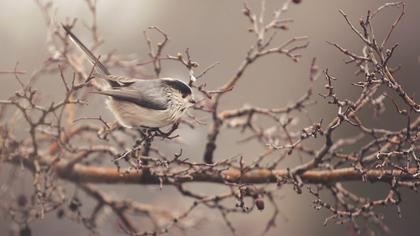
[(182, 90)]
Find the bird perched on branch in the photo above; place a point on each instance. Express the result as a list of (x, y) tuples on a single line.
[(135, 102)]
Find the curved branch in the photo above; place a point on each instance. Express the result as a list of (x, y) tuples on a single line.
[(112, 175)]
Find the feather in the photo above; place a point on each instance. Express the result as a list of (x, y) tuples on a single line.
[(152, 100), (92, 59)]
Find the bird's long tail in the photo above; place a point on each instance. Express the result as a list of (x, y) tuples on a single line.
[(92, 58)]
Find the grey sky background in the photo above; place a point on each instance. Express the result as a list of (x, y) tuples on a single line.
[(217, 31)]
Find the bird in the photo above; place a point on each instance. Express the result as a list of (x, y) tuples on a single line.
[(136, 103)]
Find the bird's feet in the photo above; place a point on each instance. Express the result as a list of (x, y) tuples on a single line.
[(168, 134), (156, 132)]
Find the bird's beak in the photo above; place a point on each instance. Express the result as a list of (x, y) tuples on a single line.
[(192, 101)]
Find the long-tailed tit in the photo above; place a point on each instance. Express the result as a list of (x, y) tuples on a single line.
[(151, 103)]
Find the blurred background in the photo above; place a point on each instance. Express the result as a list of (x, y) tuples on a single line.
[(217, 31)]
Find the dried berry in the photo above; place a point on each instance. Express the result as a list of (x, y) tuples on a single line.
[(22, 200), (259, 202), (60, 213), (25, 231), (75, 204)]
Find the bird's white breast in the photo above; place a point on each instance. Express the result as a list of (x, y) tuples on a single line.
[(131, 115)]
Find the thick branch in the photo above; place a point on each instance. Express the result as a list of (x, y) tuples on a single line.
[(111, 175)]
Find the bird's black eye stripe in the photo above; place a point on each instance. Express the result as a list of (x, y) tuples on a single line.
[(184, 89)]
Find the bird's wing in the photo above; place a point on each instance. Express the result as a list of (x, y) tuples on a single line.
[(145, 93), (92, 58), (121, 80)]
